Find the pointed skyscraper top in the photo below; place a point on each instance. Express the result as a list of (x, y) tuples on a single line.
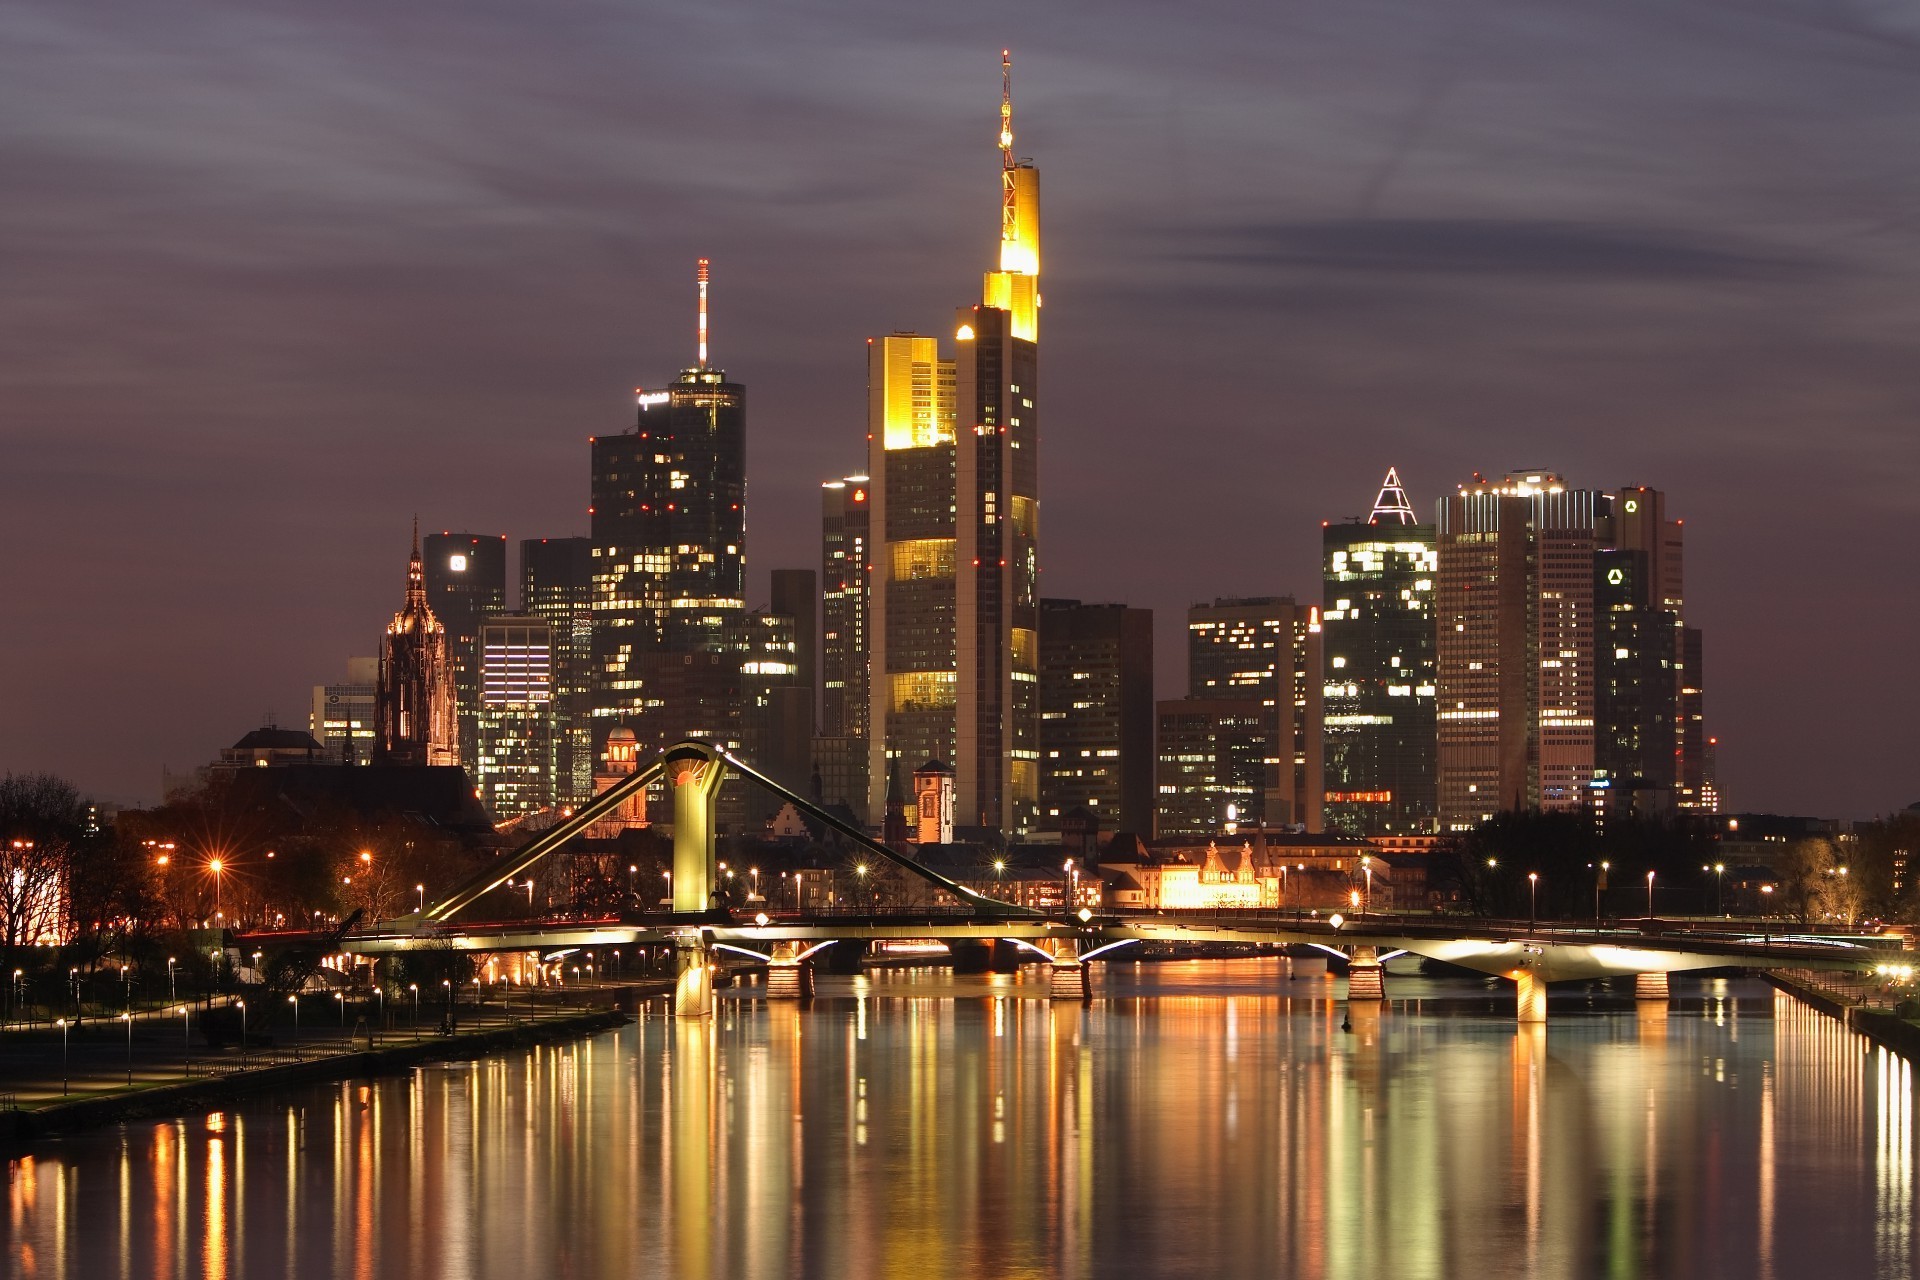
[(701, 278), (1392, 505)]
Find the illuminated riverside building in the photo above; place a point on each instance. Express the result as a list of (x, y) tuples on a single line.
[(556, 585), (466, 576), (514, 743), (1096, 714), (1560, 650), (1378, 639), (954, 610), (1267, 648), (417, 724)]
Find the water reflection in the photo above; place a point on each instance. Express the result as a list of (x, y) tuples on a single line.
[(1194, 1120)]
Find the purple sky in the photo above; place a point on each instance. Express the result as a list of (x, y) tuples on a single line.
[(272, 281)]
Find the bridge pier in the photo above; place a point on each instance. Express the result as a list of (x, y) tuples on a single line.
[(788, 976), (1067, 975), (694, 775), (693, 979), (1530, 990), (1651, 986), (1366, 980)]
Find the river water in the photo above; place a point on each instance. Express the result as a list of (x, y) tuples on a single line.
[(1196, 1119)]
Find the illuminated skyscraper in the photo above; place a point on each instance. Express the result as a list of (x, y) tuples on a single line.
[(1378, 637), (346, 715), (1096, 714), (1268, 648), (669, 535), (845, 564), (1514, 646), (513, 755), (954, 454), (1212, 765), (415, 705), (466, 583), (556, 584)]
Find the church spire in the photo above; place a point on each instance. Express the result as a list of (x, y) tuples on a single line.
[(1392, 507), (416, 574)]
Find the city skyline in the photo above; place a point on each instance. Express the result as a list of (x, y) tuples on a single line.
[(518, 465)]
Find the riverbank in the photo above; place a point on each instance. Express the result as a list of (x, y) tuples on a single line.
[(211, 1092), (1873, 1020)]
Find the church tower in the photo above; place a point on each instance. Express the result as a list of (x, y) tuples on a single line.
[(417, 724)]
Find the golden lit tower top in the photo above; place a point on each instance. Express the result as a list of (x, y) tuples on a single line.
[(1015, 287)]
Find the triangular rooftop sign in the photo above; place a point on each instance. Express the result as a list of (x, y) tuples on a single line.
[(1392, 506)]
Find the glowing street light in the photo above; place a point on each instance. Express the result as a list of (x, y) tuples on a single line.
[(1649, 895), (294, 1000), (65, 1053), (216, 865), (422, 891), (1599, 883), (1533, 897)]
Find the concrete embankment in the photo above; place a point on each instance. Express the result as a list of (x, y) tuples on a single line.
[(214, 1092), (1882, 1026)]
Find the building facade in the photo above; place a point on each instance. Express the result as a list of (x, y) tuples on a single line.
[(556, 586), (346, 715), (1212, 769), (1268, 648), (1378, 641), (515, 743), (1097, 714), (845, 566)]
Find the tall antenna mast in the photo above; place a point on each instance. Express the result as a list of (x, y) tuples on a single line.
[(702, 275), (1009, 214)]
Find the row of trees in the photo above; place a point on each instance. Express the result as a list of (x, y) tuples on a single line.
[(1558, 866)]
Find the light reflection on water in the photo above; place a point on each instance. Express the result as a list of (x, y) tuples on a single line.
[(1191, 1121)]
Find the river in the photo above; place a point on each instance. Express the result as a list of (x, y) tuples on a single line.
[(1207, 1118)]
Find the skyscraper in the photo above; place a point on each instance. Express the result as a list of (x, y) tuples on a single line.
[(954, 456), (1096, 714), (1561, 649), (1514, 646), (1268, 648), (845, 542), (1377, 619), (1212, 765), (415, 704), (556, 586), (466, 583), (513, 752), (669, 539)]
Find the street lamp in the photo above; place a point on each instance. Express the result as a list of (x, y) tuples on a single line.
[(65, 1054), (415, 988), (1599, 883), (186, 1033), (422, 891), (1720, 888), (1533, 897), (294, 1000), (631, 871), (173, 995), (127, 1017), (1366, 865), (216, 866), (1649, 895)]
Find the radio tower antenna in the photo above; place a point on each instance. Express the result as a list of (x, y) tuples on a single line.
[(1009, 213), (702, 276)]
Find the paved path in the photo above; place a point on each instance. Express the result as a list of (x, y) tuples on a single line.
[(39, 1065)]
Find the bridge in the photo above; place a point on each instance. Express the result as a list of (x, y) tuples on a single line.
[(1531, 955)]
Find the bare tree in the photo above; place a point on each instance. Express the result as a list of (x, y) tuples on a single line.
[(40, 820)]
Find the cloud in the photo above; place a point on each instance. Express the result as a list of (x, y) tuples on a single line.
[(1495, 246)]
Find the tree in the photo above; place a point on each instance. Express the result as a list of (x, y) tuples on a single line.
[(1805, 876), (41, 821)]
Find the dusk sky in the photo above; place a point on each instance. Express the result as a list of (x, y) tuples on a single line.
[(276, 277)]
